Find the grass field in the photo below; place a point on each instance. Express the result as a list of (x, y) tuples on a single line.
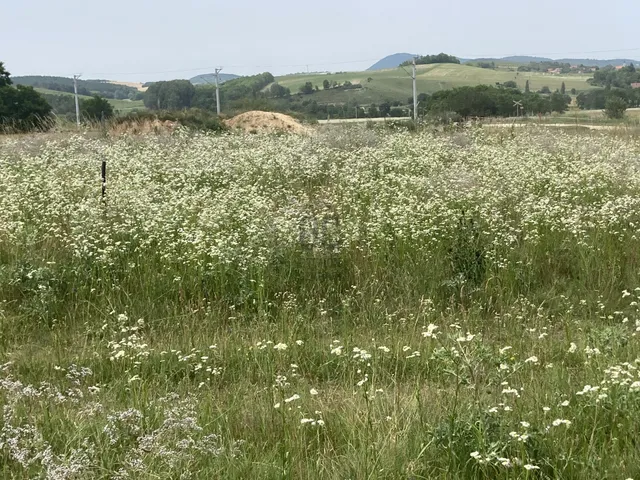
[(387, 85), (122, 106), (358, 304), (577, 116)]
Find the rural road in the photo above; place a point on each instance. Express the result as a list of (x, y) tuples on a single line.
[(361, 120), (491, 125), (557, 125)]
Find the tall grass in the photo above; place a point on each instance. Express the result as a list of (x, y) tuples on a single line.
[(430, 305)]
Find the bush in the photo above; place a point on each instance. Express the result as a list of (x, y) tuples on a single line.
[(96, 109), (23, 109), (194, 118), (615, 107)]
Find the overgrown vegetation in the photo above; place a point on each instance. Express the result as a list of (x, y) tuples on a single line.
[(194, 119), (360, 304)]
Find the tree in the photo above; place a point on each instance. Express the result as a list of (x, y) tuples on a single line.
[(173, 95), (325, 84), (527, 89), (278, 91), (559, 102), (5, 76), (545, 90), (573, 91), (96, 109), (307, 88), (373, 111), (615, 107), (384, 108), (510, 84), (563, 89), (204, 98), (22, 108)]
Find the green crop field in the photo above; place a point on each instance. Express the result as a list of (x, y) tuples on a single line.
[(359, 303), (122, 106), (387, 85)]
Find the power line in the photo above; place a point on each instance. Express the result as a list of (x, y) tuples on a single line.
[(306, 65)]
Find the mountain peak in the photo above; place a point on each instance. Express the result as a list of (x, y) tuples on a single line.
[(391, 61)]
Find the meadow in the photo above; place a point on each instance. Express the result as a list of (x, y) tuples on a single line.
[(121, 106), (395, 84), (354, 304)]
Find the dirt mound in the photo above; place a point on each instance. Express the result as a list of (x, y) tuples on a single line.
[(266, 122)]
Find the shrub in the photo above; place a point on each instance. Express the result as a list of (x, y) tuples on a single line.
[(96, 109), (195, 119), (615, 107)]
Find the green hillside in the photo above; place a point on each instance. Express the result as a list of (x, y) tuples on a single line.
[(122, 106), (395, 84)]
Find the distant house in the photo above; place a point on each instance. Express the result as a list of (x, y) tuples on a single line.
[(619, 67), (635, 85), (555, 71)]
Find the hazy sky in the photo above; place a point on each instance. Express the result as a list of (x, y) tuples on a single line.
[(161, 39)]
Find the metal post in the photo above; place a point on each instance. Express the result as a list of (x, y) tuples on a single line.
[(415, 93), (218, 90), (104, 179), (75, 89)]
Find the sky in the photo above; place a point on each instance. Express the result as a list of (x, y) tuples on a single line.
[(147, 40)]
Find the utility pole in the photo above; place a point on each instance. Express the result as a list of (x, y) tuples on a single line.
[(415, 93), (75, 89), (218, 70), (518, 106)]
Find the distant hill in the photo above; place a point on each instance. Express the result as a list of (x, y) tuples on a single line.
[(391, 61), (588, 62), (525, 59), (394, 85), (210, 78)]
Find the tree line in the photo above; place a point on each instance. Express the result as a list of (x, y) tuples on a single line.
[(611, 77), (85, 87), (491, 101), (180, 94), (430, 59)]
